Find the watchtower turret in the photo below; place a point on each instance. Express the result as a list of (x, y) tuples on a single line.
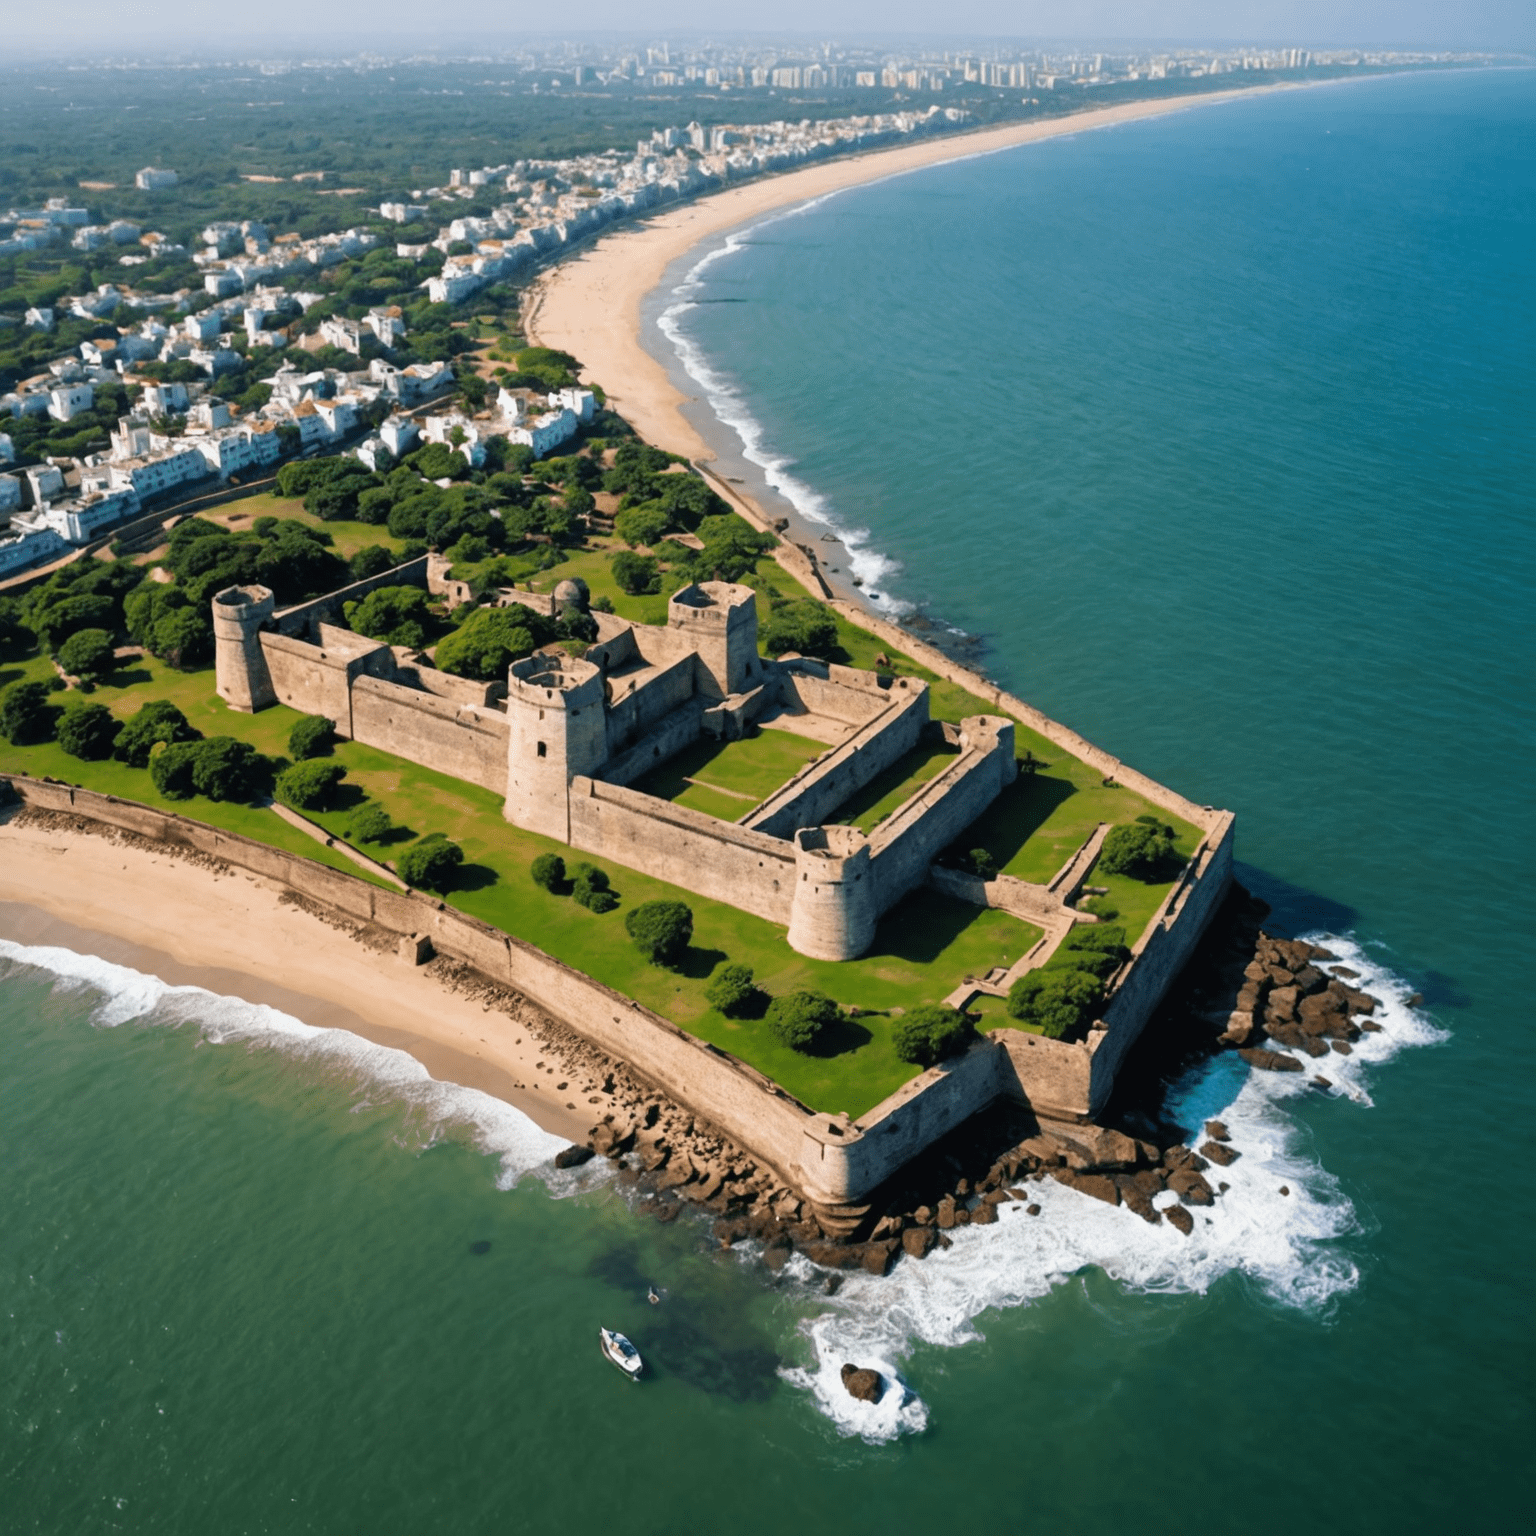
[(832, 916), (720, 620), (240, 669), (557, 730)]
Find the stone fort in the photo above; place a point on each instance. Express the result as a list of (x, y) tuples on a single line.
[(564, 740)]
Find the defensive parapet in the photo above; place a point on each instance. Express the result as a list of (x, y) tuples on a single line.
[(719, 620), (240, 669), (835, 910), (557, 730)]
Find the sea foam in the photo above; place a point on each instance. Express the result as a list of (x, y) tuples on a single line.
[(1289, 1246), (727, 400), (382, 1074)]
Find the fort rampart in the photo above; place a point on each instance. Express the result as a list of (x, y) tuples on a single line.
[(831, 1160)]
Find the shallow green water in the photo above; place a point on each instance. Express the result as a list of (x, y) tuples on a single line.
[(1249, 505)]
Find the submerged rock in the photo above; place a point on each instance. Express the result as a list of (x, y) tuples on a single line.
[(573, 1157)]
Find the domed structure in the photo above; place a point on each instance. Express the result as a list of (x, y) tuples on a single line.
[(572, 593)]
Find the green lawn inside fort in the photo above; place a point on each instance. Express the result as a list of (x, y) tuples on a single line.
[(924, 948)]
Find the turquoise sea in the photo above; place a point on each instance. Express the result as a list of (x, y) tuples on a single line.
[(1218, 431)]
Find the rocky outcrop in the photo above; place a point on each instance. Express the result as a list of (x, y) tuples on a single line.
[(866, 1385)]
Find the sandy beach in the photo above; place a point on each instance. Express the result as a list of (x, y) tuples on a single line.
[(591, 304), (190, 926)]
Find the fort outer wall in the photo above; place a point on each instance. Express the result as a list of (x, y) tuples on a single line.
[(832, 1162)]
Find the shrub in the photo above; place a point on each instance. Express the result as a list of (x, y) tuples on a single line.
[(157, 721), (226, 769), (734, 992), (87, 654), (803, 626), (170, 769), (370, 823), (311, 785), (26, 716), (88, 732), (548, 870), (430, 864), (1141, 849), (929, 1033), (984, 864), (589, 889), (1057, 1002), (638, 575), (661, 930), (313, 736), (1099, 937), (798, 1019)]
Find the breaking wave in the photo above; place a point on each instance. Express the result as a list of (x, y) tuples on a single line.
[(728, 402), (1286, 1244), (434, 1109)]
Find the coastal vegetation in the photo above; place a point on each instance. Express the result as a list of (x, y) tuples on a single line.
[(930, 1032)]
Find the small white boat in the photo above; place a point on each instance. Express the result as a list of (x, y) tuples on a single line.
[(623, 1354)]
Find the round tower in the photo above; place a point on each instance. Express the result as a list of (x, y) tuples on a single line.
[(240, 670), (720, 620), (833, 913), (557, 730)]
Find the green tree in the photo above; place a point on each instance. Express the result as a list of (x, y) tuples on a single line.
[(395, 615), (1142, 849), (590, 889), (54, 622), (431, 864), (374, 504), (88, 732), (1057, 1002), (638, 575), (170, 768), (311, 736), (370, 823), (224, 768), (984, 864), (548, 870), (804, 626), (734, 993), (929, 1033), (642, 525), (490, 640), (371, 560), (156, 721), (661, 930), (800, 1019), (310, 785), (26, 716), (87, 654)]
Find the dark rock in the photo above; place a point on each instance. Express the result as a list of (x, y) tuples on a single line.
[(573, 1157), (984, 1215), (1180, 1218), (834, 1255), (918, 1241), (1271, 1061), (1343, 1047), (667, 1210), (832, 1285), (867, 1386), (945, 1240), (923, 1216), (1216, 1131), (730, 1230), (777, 1256), (877, 1258), (1031, 1210), (1285, 1189), (1217, 1153), (1309, 979), (1371, 1027), (1313, 1046), (1321, 1082), (1343, 970), (1416, 1000), (1191, 1188)]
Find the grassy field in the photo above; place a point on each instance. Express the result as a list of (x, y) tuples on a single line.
[(893, 788), (728, 778), (348, 537)]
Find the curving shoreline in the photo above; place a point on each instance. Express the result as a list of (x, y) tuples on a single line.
[(600, 303)]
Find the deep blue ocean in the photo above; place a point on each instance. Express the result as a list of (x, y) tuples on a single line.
[(1220, 431)]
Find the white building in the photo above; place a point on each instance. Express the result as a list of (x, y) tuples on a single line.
[(10, 493), (203, 326), (164, 399), (451, 287), (152, 180), (545, 433), (7, 448), (39, 320), (346, 334), (581, 402), (387, 324), (69, 400), (237, 449), (402, 213), (413, 384), (46, 481), (399, 434), (33, 547), (153, 476)]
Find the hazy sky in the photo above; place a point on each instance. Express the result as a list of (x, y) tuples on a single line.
[(290, 24)]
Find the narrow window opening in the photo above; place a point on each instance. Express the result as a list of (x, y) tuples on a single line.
[(541, 749)]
